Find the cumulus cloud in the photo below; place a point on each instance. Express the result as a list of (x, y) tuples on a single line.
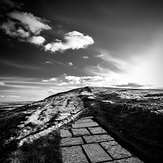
[(85, 57), (22, 33), (50, 80), (38, 40), (31, 22), (96, 80), (101, 55), (14, 96), (10, 28), (130, 85), (9, 96), (25, 27), (73, 40), (79, 81), (84, 79), (70, 64), (74, 80), (48, 62), (2, 83)]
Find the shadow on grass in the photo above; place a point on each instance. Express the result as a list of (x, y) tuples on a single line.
[(136, 128), (43, 150)]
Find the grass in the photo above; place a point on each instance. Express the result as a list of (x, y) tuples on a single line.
[(132, 122), (8, 128), (43, 150), (137, 128)]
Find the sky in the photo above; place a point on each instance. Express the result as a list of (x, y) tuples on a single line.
[(52, 46)]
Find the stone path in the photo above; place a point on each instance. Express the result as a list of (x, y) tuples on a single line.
[(87, 142)]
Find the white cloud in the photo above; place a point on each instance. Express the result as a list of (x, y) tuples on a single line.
[(112, 67), (2, 83), (100, 55), (38, 40), (10, 29), (96, 80), (79, 81), (85, 57), (23, 33), (25, 27), (48, 62), (14, 96), (50, 80), (130, 85), (73, 40), (125, 72), (11, 96), (33, 23), (70, 64), (100, 71), (73, 79), (63, 84), (143, 69), (117, 62)]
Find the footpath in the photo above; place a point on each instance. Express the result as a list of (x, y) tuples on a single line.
[(86, 142)]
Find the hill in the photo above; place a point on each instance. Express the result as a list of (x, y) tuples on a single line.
[(132, 116)]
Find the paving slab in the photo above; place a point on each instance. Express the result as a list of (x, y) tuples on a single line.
[(101, 146), (89, 117), (71, 141), (109, 143), (97, 138), (96, 153), (73, 154), (83, 125), (97, 130), (127, 160), (65, 133), (80, 131), (87, 120), (116, 151)]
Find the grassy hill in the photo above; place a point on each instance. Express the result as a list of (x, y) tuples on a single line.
[(134, 117)]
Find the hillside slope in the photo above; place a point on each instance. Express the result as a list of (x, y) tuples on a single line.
[(30, 122), (133, 116)]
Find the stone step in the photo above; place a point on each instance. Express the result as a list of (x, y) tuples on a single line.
[(89, 117), (97, 138), (80, 131), (116, 151), (84, 121), (65, 133), (96, 153), (73, 154), (97, 130), (83, 125), (127, 160), (87, 142), (71, 141)]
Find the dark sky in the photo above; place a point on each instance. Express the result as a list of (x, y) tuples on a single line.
[(51, 46)]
